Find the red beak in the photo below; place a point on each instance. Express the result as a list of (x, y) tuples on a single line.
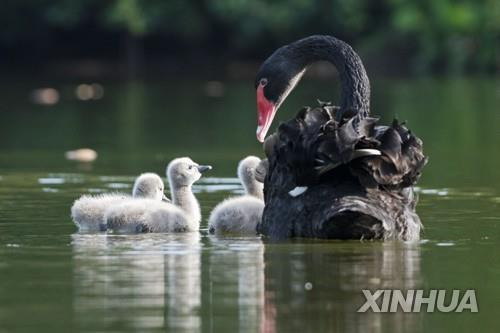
[(266, 111)]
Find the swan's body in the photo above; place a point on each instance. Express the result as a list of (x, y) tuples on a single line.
[(236, 216), (240, 215), (332, 172), (146, 215), (88, 211), (152, 216)]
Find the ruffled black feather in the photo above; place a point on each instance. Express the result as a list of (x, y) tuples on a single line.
[(314, 145)]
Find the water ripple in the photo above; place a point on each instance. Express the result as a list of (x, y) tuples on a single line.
[(51, 181)]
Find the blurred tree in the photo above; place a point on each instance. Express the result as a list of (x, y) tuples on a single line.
[(452, 36)]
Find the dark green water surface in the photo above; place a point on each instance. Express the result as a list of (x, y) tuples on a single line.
[(53, 279)]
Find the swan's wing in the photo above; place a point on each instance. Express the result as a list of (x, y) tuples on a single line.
[(313, 145)]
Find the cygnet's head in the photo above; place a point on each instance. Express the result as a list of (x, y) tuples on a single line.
[(184, 172), (149, 186), (246, 174)]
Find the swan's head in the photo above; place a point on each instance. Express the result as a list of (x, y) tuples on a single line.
[(246, 173), (149, 186), (276, 78), (184, 171)]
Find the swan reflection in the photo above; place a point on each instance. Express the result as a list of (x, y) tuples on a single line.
[(236, 275), (137, 282), (155, 281), (316, 286), (188, 282)]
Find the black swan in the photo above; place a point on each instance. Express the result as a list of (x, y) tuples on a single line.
[(332, 172)]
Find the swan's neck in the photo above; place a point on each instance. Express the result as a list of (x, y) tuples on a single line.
[(355, 86), (183, 197)]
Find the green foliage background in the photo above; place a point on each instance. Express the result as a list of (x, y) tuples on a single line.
[(450, 36)]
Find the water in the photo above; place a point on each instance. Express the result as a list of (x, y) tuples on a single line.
[(54, 279)]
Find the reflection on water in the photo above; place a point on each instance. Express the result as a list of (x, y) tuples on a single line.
[(155, 281), (142, 282), (241, 261), (317, 287), (188, 282)]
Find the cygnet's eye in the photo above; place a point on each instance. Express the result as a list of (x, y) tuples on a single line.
[(263, 82), (190, 167)]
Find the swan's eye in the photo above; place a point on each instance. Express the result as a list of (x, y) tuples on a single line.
[(263, 82), (190, 167)]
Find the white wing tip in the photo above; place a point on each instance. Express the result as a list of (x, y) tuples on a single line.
[(297, 191), (365, 152)]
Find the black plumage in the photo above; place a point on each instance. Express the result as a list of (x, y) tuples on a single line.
[(359, 175)]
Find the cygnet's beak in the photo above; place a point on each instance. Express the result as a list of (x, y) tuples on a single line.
[(165, 199), (203, 168)]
